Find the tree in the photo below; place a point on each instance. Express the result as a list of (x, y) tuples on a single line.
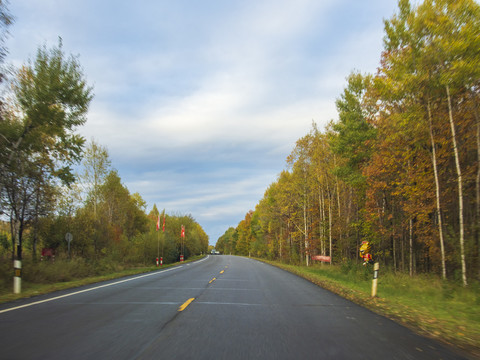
[(300, 161), (21, 188), (401, 166), (433, 51), (124, 212), (350, 140), (96, 166), (50, 101), (454, 42), (243, 244), (352, 132), (226, 242), (6, 20)]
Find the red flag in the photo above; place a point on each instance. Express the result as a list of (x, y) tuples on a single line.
[(183, 231), (158, 222), (163, 228)]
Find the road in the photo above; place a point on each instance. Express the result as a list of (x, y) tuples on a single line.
[(221, 307)]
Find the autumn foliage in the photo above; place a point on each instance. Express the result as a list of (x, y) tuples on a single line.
[(398, 168)]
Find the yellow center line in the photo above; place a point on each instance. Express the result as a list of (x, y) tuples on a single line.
[(221, 272), (212, 280), (185, 304)]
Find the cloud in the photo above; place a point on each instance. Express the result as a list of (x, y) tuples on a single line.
[(223, 138), (246, 76), (199, 103)]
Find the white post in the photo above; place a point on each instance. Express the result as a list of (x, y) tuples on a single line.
[(376, 266), (17, 278)]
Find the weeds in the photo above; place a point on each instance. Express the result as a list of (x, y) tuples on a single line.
[(60, 271)]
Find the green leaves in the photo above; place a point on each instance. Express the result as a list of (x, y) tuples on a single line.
[(350, 136), (52, 99), (390, 168)]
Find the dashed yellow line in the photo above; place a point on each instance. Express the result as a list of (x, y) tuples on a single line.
[(185, 304), (221, 272)]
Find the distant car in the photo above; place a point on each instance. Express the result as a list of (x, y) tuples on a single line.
[(215, 252)]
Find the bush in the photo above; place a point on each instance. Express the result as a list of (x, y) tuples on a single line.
[(346, 267), (61, 270)]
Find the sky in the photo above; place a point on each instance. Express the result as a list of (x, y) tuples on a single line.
[(199, 103)]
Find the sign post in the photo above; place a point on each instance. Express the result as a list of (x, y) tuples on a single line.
[(69, 238)]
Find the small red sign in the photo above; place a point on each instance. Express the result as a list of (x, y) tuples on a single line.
[(322, 258)]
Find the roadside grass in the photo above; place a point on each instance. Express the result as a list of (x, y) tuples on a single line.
[(47, 277), (442, 310)]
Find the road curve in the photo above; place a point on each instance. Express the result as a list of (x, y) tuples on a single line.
[(221, 307)]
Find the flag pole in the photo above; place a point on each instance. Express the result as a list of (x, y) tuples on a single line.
[(158, 246), (163, 235), (182, 246), (158, 238)]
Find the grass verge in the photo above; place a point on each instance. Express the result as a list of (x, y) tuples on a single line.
[(429, 306), (45, 282)]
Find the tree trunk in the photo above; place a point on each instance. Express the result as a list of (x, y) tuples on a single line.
[(340, 241), (403, 253), (305, 232), (477, 186), (410, 237), (460, 190), (35, 240), (392, 235), (19, 233), (281, 241), (35, 223), (13, 235), (320, 220), (329, 195), (323, 225), (330, 228), (340, 237), (437, 193)]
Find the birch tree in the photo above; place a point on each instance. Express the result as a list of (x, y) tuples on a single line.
[(96, 166)]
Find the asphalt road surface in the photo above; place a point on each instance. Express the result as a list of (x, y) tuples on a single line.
[(221, 307)]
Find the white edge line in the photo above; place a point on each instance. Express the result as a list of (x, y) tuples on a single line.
[(96, 288), (87, 290)]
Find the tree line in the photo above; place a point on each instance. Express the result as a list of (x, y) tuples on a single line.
[(400, 167), (42, 197)]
